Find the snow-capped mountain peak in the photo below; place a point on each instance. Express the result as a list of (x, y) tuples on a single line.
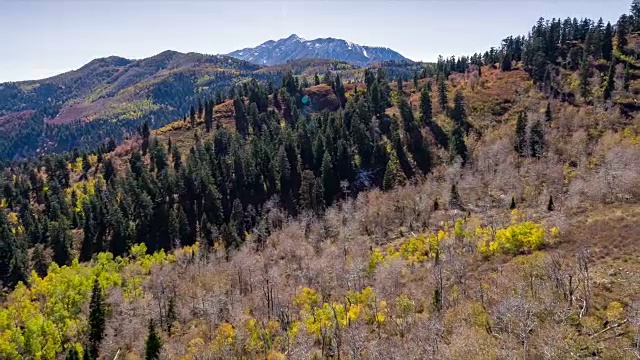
[(274, 52)]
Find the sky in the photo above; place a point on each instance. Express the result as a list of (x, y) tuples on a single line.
[(41, 38)]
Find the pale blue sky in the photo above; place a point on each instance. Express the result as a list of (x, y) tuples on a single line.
[(45, 37)]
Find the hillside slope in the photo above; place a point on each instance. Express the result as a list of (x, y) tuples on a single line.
[(110, 97)]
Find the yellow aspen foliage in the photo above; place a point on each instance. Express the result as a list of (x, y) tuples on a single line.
[(224, 336), (614, 311), (76, 166), (375, 258), (36, 321), (517, 238)]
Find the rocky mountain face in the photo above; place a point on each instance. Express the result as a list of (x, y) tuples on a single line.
[(294, 47)]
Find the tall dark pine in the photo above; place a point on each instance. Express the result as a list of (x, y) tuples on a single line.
[(458, 113), (536, 140), (610, 83), (242, 123), (97, 319), (585, 86), (153, 345), (72, 354), (61, 240), (192, 116), (426, 109), (13, 255), (548, 116), (442, 95), (607, 42), (520, 142)]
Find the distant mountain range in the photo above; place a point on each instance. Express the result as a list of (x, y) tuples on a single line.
[(112, 96), (294, 47)]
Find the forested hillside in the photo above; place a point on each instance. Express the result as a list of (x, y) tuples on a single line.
[(485, 206)]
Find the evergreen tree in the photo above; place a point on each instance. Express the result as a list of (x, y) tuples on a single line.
[(97, 319), (13, 255), (442, 95), (506, 62), (607, 42), (316, 79), (393, 175), (634, 14), (192, 116), (550, 205), (536, 140), (72, 354), (520, 143), (340, 91), (513, 203), (306, 196), (458, 113), (240, 116), (153, 344), (457, 146), (547, 113), (621, 34), (171, 314), (610, 83), (426, 110), (61, 240), (626, 79), (415, 80), (585, 85), (454, 198), (329, 178)]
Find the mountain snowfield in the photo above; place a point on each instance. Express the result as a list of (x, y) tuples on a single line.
[(294, 47)]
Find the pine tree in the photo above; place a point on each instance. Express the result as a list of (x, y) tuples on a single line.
[(436, 205), (61, 240), (547, 113), (393, 175), (513, 203), (442, 95), (97, 319), (72, 354), (340, 91), (520, 143), (626, 79), (610, 84), (454, 198), (13, 255), (153, 345), (329, 178), (316, 79), (585, 85), (536, 140), (426, 110), (400, 85), (171, 314), (506, 62), (621, 34), (458, 113), (634, 14), (607, 42), (240, 116), (415, 80), (192, 116), (550, 205), (306, 196), (457, 146)]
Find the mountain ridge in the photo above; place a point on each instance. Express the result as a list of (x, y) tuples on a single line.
[(293, 47)]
